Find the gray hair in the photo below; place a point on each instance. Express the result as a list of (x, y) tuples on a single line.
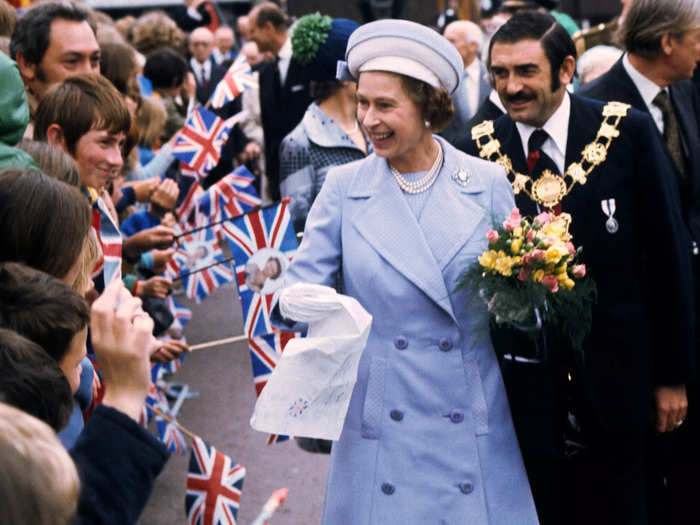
[(647, 21), (597, 58)]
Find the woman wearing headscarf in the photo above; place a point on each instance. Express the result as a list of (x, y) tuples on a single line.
[(428, 436), (328, 134)]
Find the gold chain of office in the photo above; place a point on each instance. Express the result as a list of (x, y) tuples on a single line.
[(549, 189)]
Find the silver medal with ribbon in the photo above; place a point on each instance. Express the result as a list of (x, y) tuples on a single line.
[(608, 206)]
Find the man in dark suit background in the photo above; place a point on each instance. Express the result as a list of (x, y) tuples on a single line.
[(284, 85), (626, 216), (206, 72), (662, 40), (474, 86)]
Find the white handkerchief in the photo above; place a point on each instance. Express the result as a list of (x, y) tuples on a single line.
[(309, 391)]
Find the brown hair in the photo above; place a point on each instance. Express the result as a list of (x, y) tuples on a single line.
[(150, 120), (40, 482), (266, 12), (52, 161), (32, 381), (79, 104), (154, 30), (435, 103), (8, 19), (647, 21), (118, 64), (43, 221), (41, 308), (92, 251)]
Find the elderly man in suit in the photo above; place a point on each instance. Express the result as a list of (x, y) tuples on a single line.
[(605, 166), (662, 39), (474, 87), (284, 85), (206, 71)]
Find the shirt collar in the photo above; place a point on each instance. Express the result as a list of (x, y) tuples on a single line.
[(647, 88), (557, 127), (285, 52), (473, 69)]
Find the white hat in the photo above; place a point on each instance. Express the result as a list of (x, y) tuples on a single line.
[(403, 47)]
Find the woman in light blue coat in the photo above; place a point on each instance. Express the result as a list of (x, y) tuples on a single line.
[(428, 437)]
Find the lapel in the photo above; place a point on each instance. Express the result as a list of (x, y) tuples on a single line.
[(387, 223), (625, 89), (689, 127)]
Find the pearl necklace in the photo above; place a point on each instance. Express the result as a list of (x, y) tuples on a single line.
[(419, 186)]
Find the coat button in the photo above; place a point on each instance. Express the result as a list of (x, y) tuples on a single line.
[(401, 342), (396, 415), (388, 489), (445, 344), (466, 487), (456, 416)]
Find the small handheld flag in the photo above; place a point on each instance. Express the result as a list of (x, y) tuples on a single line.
[(200, 141), (237, 79)]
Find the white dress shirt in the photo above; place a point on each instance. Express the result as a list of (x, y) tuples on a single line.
[(285, 57), (647, 89), (471, 83), (557, 127), (201, 70)]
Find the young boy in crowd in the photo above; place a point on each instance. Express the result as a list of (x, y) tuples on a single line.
[(52, 315)]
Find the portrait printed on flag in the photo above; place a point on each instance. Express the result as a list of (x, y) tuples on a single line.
[(265, 270), (199, 255)]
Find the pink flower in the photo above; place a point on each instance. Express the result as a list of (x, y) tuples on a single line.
[(550, 282), (570, 247), (524, 274), (544, 218), (513, 220), (579, 270), (539, 255), (526, 260), (492, 236), (550, 241), (531, 236)]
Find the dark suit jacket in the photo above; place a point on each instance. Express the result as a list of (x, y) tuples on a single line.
[(487, 111), (281, 111), (616, 84), (457, 127), (216, 74), (642, 329)]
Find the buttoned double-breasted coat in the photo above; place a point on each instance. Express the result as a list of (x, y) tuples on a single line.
[(428, 436)]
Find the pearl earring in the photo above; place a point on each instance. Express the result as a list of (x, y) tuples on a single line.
[(427, 123)]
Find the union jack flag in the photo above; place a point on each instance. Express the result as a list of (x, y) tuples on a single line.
[(171, 436), (237, 79), (190, 192), (200, 141), (109, 265), (268, 231), (265, 351), (200, 264), (181, 313), (214, 486), (154, 398), (224, 200)]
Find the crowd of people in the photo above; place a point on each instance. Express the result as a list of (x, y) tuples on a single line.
[(401, 145)]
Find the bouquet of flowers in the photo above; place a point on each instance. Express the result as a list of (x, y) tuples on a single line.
[(530, 276)]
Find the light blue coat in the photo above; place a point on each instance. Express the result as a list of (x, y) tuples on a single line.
[(428, 437)]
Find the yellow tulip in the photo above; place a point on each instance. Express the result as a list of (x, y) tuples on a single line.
[(515, 246)]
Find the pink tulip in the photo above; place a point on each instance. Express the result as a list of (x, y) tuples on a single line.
[(570, 247), (539, 255), (492, 236), (544, 218)]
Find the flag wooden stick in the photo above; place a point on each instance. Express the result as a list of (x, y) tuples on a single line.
[(252, 210), (218, 342), (276, 501), (217, 263), (158, 412)]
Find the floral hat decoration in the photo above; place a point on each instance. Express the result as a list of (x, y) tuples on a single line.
[(319, 41)]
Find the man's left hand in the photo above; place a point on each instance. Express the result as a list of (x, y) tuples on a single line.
[(671, 407)]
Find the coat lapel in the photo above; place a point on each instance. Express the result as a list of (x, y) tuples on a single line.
[(448, 216), (387, 223)]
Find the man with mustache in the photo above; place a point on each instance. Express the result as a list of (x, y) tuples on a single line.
[(604, 166)]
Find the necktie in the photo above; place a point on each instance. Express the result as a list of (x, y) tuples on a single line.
[(538, 160), (277, 78), (203, 77), (671, 135)]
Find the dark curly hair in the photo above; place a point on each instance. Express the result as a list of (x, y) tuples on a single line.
[(435, 103)]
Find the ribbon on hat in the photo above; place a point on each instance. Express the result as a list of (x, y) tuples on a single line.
[(342, 71)]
